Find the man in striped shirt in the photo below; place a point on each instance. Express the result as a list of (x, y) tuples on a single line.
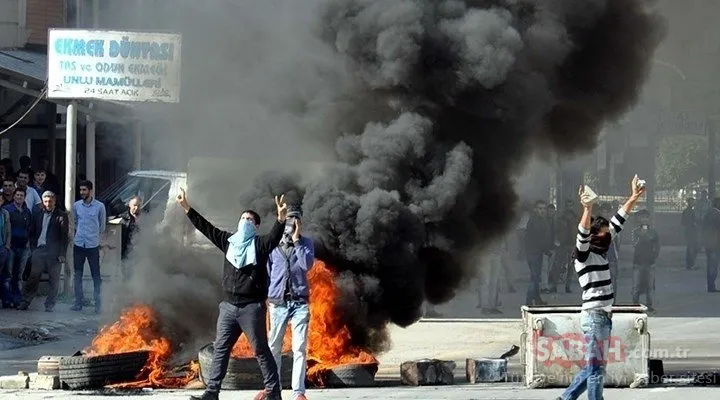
[(593, 270)]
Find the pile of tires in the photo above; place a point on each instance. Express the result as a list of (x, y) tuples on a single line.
[(94, 372), (243, 373)]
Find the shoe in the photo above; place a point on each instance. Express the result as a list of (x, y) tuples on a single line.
[(650, 309), (97, 310), (265, 395), (49, 309), (495, 311), (76, 308), (206, 396), (567, 290), (478, 305), (23, 307), (541, 303)]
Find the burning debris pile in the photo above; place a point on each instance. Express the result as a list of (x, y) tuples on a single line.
[(138, 329)]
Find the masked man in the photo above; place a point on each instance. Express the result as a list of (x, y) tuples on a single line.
[(245, 286), (288, 296), (593, 270)]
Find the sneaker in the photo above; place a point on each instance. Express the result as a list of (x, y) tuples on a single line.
[(206, 396), (23, 306), (495, 311), (265, 395), (76, 308)]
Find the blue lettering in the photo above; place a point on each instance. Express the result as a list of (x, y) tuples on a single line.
[(80, 47), (155, 51)]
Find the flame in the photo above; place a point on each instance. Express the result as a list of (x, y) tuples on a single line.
[(329, 341), (137, 330)]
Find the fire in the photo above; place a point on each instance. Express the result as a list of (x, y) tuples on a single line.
[(329, 341), (136, 330)]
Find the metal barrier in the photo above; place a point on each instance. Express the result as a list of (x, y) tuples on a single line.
[(552, 346)]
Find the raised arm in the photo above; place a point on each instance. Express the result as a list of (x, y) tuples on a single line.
[(305, 252), (266, 243), (618, 220), (582, 242), (218, 237)]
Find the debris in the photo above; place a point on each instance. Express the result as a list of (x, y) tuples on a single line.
[(35, 335), (14, 382), (44, 382), (488, 370), (427, 372), (484, 370)]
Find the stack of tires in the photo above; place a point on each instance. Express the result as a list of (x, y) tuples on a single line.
[(243, 373), (94, 372)]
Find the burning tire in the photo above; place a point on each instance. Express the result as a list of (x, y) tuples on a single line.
[(243, 373), (351, 375), (93, 372)]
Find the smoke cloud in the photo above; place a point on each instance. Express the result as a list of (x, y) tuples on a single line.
[(424, 111)]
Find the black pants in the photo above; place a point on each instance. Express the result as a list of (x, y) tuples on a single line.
[(232, 321)]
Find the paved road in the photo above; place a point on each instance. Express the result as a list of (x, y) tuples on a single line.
[(686, 318), (422, 393)]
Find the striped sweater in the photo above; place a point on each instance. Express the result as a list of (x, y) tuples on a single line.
[(593, 269)]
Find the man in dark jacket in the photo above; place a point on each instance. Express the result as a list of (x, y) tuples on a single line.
[(689, 223), (538, 241), (48, 241), (128, 229), (711, 241), (245, 283)]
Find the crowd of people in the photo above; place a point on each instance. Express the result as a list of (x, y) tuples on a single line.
[(35, 236)]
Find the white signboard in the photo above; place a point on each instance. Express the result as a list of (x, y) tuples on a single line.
[(112, 65)]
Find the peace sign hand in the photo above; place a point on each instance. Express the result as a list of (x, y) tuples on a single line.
[(282, 208)]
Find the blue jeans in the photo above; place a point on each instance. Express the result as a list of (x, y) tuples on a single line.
[(80, 254), (596, 326), (298, 313), (14, 262)]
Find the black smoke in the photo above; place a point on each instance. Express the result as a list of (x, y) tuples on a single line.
[(462, 93)]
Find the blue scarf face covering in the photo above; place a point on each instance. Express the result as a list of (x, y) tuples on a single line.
[(241, 251)]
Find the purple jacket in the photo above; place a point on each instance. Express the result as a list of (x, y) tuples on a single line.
[(296, 267)]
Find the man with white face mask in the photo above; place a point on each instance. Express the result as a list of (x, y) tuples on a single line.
[(245, 283)]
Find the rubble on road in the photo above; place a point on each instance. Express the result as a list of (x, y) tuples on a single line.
[(44, 382), (36, 335), (19, 381), (427, 372)]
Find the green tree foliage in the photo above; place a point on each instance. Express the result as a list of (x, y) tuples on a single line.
[(681, 161)]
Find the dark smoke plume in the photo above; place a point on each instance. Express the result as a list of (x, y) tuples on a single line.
[(433, 108), (471, 88)]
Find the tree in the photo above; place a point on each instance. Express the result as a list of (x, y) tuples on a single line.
[(681, 161)]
